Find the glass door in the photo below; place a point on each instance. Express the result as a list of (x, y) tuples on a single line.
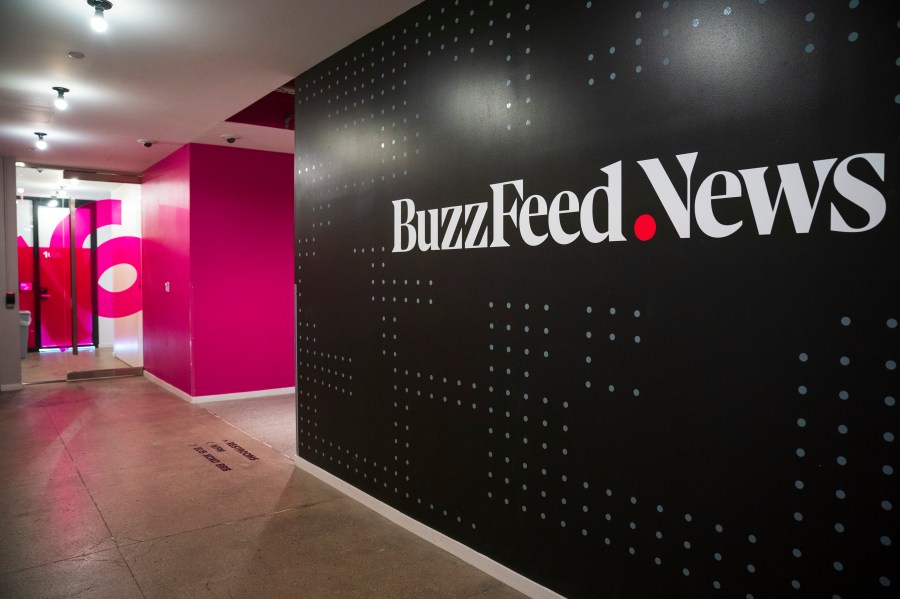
[(79, 276), (58, 252), (52, 263)]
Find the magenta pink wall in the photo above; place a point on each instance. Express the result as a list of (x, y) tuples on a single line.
[(165, 212), (242, 237), (218, 225)]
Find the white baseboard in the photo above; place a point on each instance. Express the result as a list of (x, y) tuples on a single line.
[(452, 546), (244, 395), (12, 387), (170, 388), (222, 397)]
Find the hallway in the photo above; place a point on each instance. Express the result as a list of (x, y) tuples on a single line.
[(116, 488)]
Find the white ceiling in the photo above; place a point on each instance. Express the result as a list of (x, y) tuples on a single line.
[(170, 71)]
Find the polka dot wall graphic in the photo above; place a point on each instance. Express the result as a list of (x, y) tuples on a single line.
[(853, 472), (499, 405), (648, 37)]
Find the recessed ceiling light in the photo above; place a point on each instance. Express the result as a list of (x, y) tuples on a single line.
[(20, 164), (76, 55)]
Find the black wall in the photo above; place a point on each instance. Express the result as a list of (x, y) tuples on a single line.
[(686, 416)]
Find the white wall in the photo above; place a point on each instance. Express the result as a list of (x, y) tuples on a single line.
[(10, 367)]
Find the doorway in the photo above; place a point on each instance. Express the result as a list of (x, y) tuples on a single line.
[(79, 277)]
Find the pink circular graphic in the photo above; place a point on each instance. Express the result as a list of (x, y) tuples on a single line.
[(645, 227), (119, 250)]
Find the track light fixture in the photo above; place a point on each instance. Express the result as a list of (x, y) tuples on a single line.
[(98, 21), (40, 144), (60, 101)]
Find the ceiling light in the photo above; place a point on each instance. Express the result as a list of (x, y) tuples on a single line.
[(40, 144), (53, 203), (98, 22), (20, 191), (60, 101), (20, 164)]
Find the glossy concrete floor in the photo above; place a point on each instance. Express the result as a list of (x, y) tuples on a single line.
[(272, 420), (116, 488)]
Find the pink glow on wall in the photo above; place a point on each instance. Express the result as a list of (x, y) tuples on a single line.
[(165, 216), (218, 225), (242, 236)]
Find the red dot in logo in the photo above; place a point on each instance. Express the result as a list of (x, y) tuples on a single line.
[(645, 227)]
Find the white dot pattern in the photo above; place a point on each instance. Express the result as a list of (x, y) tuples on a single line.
[(502, 401)]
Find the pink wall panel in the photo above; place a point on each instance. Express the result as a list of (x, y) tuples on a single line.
[(242, 211), (166, 257)]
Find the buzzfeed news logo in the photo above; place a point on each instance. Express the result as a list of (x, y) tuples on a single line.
[(486, 224)]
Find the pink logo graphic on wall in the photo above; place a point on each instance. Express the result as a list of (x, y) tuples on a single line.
[(121, 250), (113, 252)]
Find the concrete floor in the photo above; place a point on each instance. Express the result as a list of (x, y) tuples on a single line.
[(272, 420), (107, 490)]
